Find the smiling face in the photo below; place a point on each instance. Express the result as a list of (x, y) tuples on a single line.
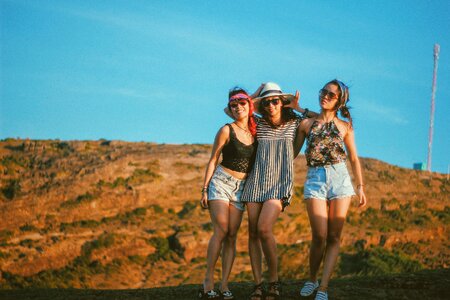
[(272, 106), (239, 108), (329, 96)]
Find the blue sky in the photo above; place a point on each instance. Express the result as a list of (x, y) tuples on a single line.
[(160, 71)]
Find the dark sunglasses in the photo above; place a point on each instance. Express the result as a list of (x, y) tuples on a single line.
[(235, 104), (326, 93), (273, 101)]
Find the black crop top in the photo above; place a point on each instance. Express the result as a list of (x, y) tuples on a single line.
[(238, 156)]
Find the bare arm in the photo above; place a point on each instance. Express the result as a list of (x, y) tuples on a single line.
[(296, 106), (300, 137), (221, 139), (349, 141)]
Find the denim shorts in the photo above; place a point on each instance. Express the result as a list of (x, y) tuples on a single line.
[(223, 186), (328, 182)]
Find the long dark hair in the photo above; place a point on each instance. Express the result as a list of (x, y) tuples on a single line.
[(287, 113), (251, 118), (344, 98)]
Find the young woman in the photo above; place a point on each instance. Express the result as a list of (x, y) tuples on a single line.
[(222, 188), (328, 188), (269, 185)]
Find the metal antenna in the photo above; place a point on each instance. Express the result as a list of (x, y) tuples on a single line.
[(433, 93)]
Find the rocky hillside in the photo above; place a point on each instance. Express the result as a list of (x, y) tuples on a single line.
[(117, 215)]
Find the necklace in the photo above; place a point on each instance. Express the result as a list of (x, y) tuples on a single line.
[(247, 132)]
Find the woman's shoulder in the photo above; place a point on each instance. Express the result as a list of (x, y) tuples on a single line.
[(305, 124), (225, 130), (343, 126)]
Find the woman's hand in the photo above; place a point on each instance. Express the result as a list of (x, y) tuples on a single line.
[(204, 200), (361, 196), (257, 92), (295, 102)]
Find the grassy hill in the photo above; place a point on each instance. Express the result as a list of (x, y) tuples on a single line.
[(118, 215)]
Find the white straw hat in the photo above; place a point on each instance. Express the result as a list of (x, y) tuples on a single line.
[(271, 89)]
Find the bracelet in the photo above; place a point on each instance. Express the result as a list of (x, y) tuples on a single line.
[(359, 185), (305, 113), (204, 189)]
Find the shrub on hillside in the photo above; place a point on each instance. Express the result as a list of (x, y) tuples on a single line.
[(188, 207), (162, 249), (11, 189), (105, 240), (28, 227), (84, 198), (386, 176), (376, 261)]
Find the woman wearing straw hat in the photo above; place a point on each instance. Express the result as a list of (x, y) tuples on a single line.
[(328, 188), (268, 189), (222, 188)]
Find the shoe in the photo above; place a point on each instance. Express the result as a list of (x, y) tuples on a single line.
[(258, 292), (227, 295), (309, 288), (321, 295), (274, 290), (212, 294)]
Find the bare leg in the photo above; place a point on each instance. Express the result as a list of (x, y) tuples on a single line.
[(229, 245), (318, 219), (219, 216), (336, 218), (254, 244), (269, 214)]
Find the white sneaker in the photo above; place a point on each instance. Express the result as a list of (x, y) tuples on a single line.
[(321, 295), (308, 288)]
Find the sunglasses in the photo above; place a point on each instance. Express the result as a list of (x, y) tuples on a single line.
[(273, 101), (326, 93), (235, 104)]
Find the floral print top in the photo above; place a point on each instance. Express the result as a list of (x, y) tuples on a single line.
[(325, 145)]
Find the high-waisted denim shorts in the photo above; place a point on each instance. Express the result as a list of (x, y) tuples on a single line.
[(328, 182), (225, 187)]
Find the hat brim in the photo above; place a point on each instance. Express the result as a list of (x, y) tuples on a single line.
[(287, 97)]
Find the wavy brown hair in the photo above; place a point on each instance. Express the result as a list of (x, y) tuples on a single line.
[(344, 98)]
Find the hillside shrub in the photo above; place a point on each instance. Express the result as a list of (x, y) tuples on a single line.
[(188, 207), (162, 249), (377, 261), (137, 259), (11, 189), (105, 240), (386, 176), (79, 224), (28, 227), (141, 176), (84, 198), (442, 215), (157, 208), (207, 226)]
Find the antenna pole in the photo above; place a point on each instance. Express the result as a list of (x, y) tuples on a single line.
[(433, 93)]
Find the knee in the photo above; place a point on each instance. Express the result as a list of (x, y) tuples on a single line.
[(264, 232), (232, 236), (333, 238), (252, 232), (319, 239), (221, 232)]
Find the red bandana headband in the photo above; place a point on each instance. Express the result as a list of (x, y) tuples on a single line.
[(239, 96)]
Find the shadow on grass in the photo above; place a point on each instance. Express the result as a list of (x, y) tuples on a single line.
[(426, 284)]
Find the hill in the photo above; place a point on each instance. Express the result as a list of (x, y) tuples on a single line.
[(119, 215)]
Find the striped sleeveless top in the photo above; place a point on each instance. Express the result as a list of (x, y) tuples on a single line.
[(272, 176)]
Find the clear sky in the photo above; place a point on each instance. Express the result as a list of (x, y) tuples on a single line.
[(160, 71)]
